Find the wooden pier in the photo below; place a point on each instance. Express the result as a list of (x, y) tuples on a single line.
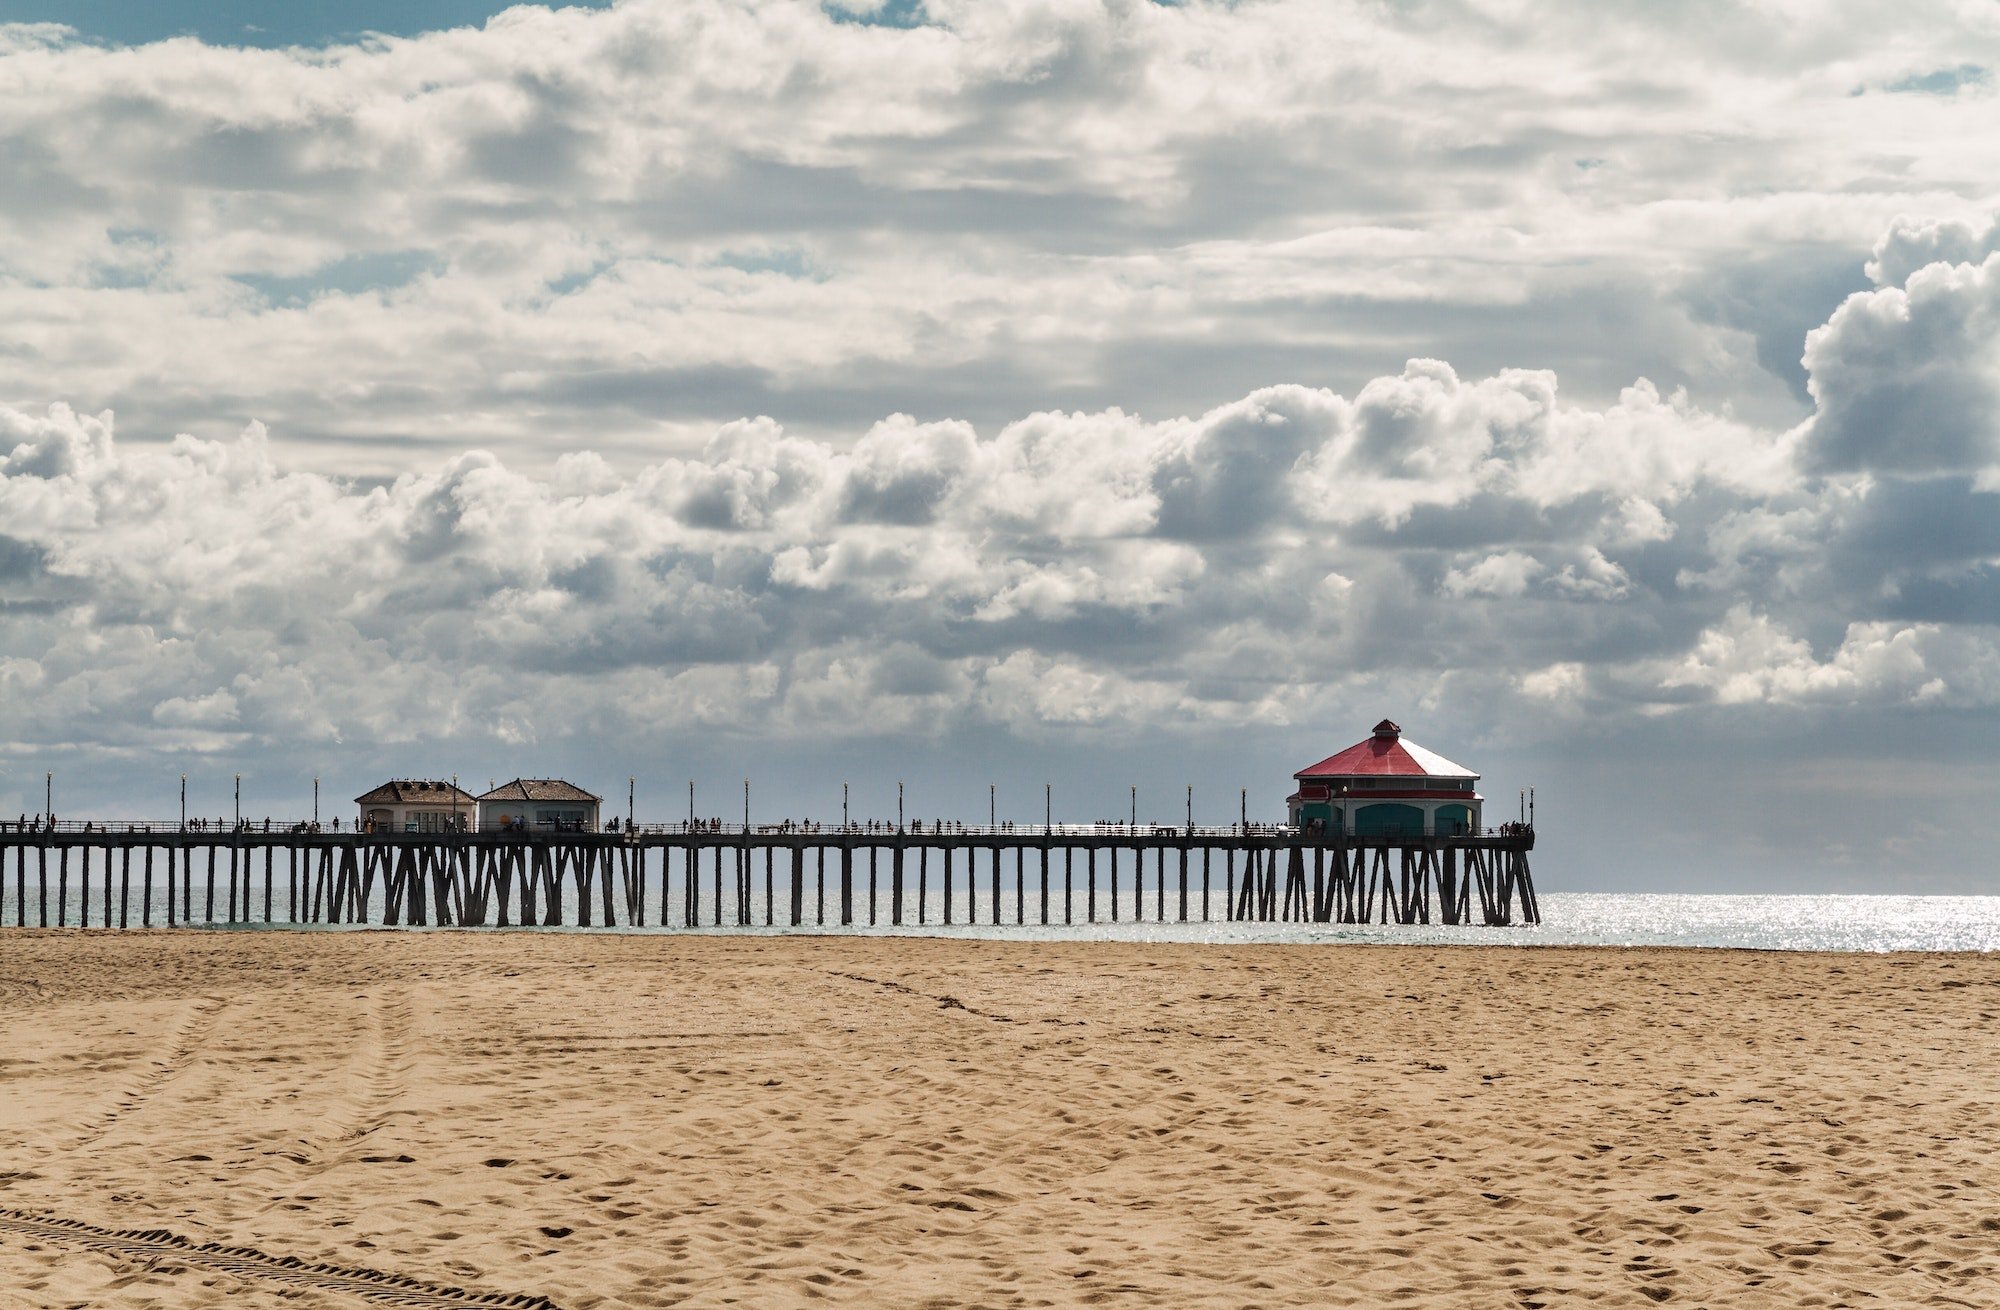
[(690, 876)]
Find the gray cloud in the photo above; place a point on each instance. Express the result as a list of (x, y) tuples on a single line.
[(1906, 377), (1022, 394), (1153, 207)]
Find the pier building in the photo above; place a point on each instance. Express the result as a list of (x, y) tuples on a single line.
[(415, 805), (539, 805), (1387, 786)]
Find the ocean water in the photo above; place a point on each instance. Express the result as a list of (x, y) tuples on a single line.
[(1762, 923), (1768, 923)]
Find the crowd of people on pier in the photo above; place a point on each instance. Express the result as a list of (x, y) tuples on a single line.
[(39, 823), (47, 823), (934, 827)]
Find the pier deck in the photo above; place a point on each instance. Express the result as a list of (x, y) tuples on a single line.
[(699, 875)]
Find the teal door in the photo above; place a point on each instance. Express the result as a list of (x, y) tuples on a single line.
[(1387, 820), (1453, 820)]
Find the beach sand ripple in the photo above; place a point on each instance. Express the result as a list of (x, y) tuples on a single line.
[(346, 1119)]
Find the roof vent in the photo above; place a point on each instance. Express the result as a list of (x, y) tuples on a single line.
[(1388, 730)]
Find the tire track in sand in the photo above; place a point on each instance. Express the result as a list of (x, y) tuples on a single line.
[(383, 1069), (363, 1095), (171, 1059), (152, 1245)]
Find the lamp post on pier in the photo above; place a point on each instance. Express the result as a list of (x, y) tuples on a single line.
[(1048, 808), (690, 804), (1190, 811), (1135, 806), (992, 808), (456, 825), (899, 805), (239, 801), (1243, 819), (454, 786), (49, 795), (746, 805), (843, 809), (631, 797), (184, 802)]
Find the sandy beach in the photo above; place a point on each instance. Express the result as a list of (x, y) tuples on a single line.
[(377, 1118)]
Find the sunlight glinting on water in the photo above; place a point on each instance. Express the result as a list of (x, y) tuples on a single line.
[(1784, 923)]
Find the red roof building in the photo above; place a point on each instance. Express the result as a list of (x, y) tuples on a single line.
[(1387, 786)]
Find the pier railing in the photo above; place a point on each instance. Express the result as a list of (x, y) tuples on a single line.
[(1108, 828)]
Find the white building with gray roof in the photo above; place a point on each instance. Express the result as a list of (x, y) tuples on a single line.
[(538, 805)]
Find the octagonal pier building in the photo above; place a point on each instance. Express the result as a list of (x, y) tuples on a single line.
[(1387, 786)]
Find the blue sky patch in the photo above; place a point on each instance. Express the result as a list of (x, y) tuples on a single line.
[(348, 276), (1942, 81), (268, 24), (890, 13)]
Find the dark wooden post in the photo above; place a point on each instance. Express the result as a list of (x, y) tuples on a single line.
[(798, 885), (62, 889), (1184, 879), (1207, 853), (1045, 877), (1069, 879), (1020, 884), (718, 886), (846, 881), (639, 885), (124, 885), (1090, 875), (395, 889), (690, 884), (1138, 881), (896, 882), (1297, 906), (743, 881), (601, 854), (505, 869)]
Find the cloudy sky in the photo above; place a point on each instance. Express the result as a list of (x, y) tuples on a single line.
[(1098, 394)]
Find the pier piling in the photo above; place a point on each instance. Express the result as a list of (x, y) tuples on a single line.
[(1267, 875)]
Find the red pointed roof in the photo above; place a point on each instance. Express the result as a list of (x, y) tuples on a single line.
[(1386, 754)]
